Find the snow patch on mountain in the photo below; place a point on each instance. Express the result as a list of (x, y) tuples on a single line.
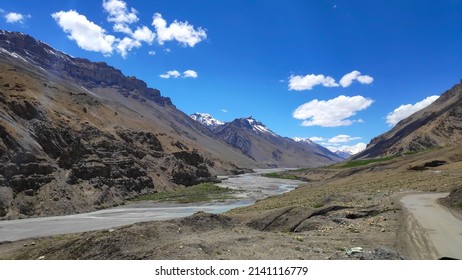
[(304, 140), (347, 151), (206, 119), (258, 126)]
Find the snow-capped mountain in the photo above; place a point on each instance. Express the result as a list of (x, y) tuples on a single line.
[(254, 125), (206, 119), (348, 151), (304, 140), (343, 154), (260, 143)]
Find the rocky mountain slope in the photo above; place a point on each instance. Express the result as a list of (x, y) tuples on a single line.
[(257, 141), (438, 125), (76, 135)]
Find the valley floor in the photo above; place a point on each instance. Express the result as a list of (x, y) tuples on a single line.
[(339, 208)]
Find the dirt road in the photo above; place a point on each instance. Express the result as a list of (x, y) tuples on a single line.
[(431, 229)]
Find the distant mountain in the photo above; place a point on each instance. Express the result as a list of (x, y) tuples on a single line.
[(206, 119), (305, 141), (343, 154), (260, 143), (438, 125), (77, 135)]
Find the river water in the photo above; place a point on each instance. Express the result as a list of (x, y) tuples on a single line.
[(250, 187)]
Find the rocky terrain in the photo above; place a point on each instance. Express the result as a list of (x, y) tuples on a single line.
[(257, 141), (77, 136), (342, 212), (454, 200)]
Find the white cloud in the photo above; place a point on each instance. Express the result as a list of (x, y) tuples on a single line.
[(354, 149), (16, 17), (316, 139), (309, 81), (349, 78), (190, 74), (122, 28), (120, 15), (182, 32), (126, 45), (406, 110), (171, 74), (224, 110), (92, 37), (333, 112), (152, 53), (176, 74), (85, 33), (144, 34), (342, 138)]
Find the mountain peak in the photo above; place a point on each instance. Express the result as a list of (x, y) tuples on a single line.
[(206, 119), (303, 140), (253, 124)]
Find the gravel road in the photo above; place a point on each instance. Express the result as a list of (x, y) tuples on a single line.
[(442, 230)]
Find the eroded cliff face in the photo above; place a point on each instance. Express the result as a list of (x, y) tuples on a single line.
[(76, 136), (51, 164), (89, 74)]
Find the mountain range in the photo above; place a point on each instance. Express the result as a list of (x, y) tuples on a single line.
[(257, 141), (77, 135)]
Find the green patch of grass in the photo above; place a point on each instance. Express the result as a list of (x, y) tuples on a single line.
[(356, 163), (280, 176), (318, 205), (199, 193)]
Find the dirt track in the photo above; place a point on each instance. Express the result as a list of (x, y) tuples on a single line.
[(431, 230)]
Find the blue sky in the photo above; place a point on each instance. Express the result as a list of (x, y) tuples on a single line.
[(337, 71)]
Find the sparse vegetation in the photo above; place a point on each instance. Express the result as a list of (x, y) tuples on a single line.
[(198, 193), (356, 163), (280, 176)]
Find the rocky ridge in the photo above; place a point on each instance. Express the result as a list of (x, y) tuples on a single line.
[(76, 136), (88, 73), (438, 125)]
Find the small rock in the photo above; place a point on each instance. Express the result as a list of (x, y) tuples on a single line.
[(354, 250), (111, 230), (32, 244), (41, 258), (383, 230)]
